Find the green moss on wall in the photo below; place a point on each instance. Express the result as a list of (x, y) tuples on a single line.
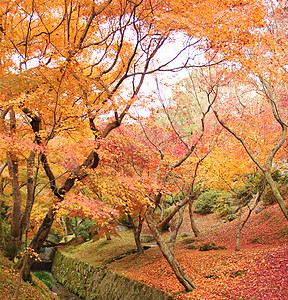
[(91, 283)]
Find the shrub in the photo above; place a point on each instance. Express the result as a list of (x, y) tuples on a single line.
[(168, 201), (208, 201), (189, 240), (82, 228), (237, 273), (193, 247), (205, 203), (46, 278), (207, 246), (10, 250), (211, 246)]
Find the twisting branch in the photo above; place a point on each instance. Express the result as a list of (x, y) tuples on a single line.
[(239, 139)]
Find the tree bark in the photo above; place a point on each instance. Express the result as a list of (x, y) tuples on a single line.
[(37, 242), (137, 232), (168, 255), (30, 193), (174, 229), (276, 193), (238, 230), (194, 228), (15, 242), (2, 240)]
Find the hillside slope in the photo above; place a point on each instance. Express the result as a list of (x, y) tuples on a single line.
[(258, 271)]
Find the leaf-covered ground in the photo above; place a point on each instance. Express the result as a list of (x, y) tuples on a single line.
[(258, 271)]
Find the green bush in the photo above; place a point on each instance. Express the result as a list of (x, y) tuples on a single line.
[(10, 250), (46, 278), (207, 201), (168, 201), (189, 240), (193, 247), (223, 203), (82, 228), (207, 246), (211, 246)]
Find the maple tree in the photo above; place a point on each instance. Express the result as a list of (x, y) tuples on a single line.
[(69, 77), (159, 158), (259, 71), (253, 124), (70, 72)]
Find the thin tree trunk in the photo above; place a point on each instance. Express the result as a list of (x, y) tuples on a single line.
[(276, 193), (239, 227), (15, 242), (2, 239), (37, 242), (174, 229), (65, 228), (137, 232), (267, 169), (16, 293), (108, 236), (168, 255), (30, 192), (194, 228)]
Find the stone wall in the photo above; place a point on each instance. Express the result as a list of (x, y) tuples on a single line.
[(103, 284)]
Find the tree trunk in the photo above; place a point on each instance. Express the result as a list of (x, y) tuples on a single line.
[(276, 193), (194, 228), (37, 243), (30, 192), (137, 232), (43, 230), (174, 229), (65, 228), (169, 256), (239, 227), (107, 234), (15, 242), (21, 273)]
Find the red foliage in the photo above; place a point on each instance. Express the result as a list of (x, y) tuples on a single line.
[(258, 271)]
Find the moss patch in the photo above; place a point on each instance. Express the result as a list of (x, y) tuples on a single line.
[(100, 252)]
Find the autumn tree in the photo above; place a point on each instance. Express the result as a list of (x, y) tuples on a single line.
[(113, 182), (261, 73), (71, 71), (69, 74), (162, 160), (257, 60)]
